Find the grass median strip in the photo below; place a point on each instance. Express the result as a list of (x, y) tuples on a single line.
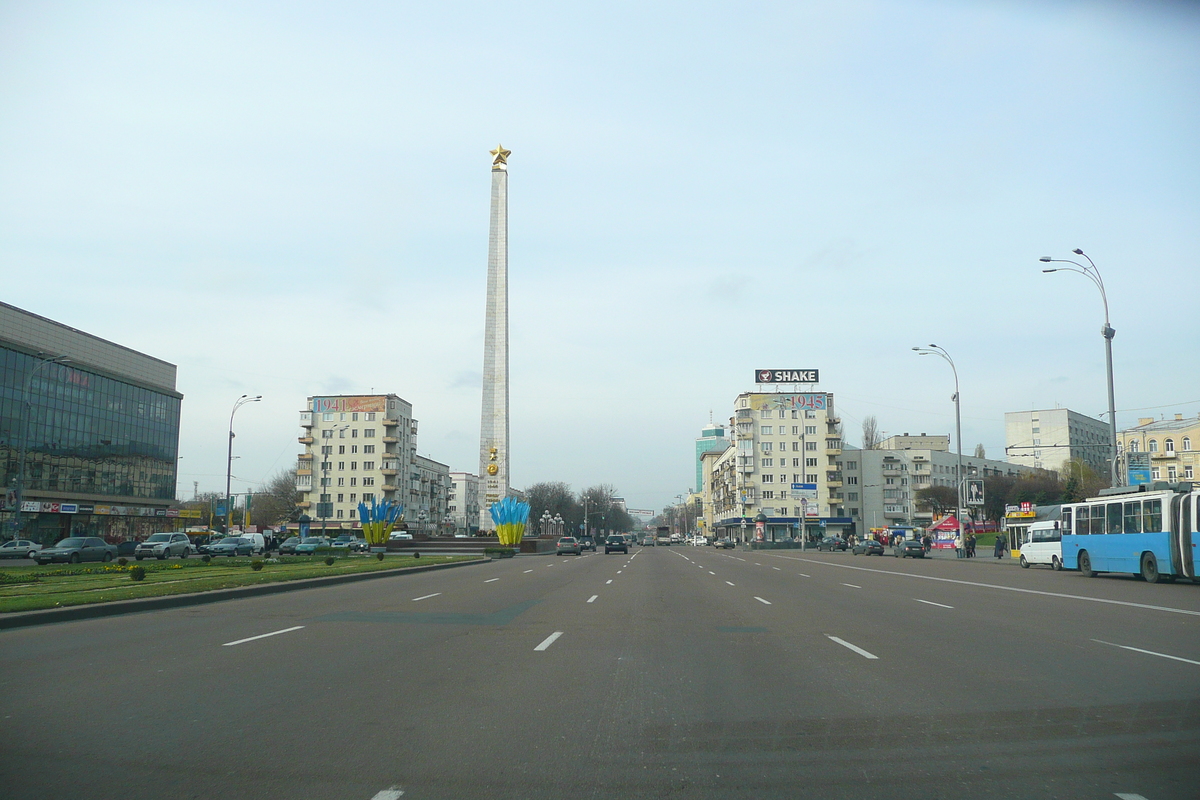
[(32, 588)]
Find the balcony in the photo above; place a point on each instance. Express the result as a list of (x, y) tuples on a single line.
[(833, 446), (388, 487), (305, 456), (306, 439), (1169, 454), (306, 419), (390, 440), (834, 478), (304, 471), (390, 423), (390, 471), (304, 504), (895, 515)]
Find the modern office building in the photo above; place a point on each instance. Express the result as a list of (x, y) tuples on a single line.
[(1172, 444), (358, 448), (89, 433), (1049, 438), (712, 437), (463, 503)]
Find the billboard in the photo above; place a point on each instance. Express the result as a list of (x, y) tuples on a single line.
[(1137, 467), (974, 492), (369, 403), (786, 376), (815, 401)]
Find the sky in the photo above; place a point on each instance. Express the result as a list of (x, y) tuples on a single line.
[(291, 199)]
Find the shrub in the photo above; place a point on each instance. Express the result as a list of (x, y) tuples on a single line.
[(256, 564), (329, 561), (416, 554), (206, 558), (137, 573), (122, 562), (379, 556)]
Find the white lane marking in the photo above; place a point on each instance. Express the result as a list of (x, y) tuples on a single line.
[(262, 636), (740, 559), (391, 793), (931, 603), (592, 599), (619, 571), (1002, 588), (757, 564), (549, 640), (1128, 796), (529, 570), (710, 572), (607, 582), (802, 575), (489, 580), (425, 596), (731, 584), (775, 568), (855, 648), (764, 602), (851, 585), (1147, 652)]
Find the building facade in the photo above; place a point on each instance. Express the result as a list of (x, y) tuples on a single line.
[(1049, 438), (358, 448), (89, 433), (428, 507), (463, 505), (1173, 446), (712, 437)]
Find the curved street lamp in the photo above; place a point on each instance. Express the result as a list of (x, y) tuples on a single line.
[(935, 350), (241, 401), (1092, 273), (26, 410)]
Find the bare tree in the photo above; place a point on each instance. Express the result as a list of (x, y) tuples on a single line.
[(277, 501), (870, 433), (979, 451)]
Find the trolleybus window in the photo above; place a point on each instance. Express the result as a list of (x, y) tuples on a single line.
[(1133, 517), (1098, 519), (1066, 519), (1115, 523), (1152, 516)]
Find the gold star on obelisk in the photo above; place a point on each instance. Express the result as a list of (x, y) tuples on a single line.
[(501, 156)]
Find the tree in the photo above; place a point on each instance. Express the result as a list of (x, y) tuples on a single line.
[(870, 433), (555, 498), (1080, 481), (277, 501), (939, 499), (979, 451)]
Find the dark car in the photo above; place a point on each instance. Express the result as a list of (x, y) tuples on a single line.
[(77, 548), (231, 546), (587, 543), (309, 546), (909, 547), (614, 543), (832, 543), (724, 544), (126, 548), (288, 548), (868, 547)]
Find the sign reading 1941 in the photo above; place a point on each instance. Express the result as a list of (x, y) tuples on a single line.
[(786, 376)]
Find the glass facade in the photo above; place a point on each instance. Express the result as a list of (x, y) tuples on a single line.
[(88, 436)]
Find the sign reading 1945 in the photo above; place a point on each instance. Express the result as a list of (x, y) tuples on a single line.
[(786, 376)]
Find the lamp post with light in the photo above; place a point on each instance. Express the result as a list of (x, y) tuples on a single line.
[(1092, 273), (241, 401), (934, 349), (26, 410)]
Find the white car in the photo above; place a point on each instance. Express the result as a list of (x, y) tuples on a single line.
[(19, 548), (400, 535), (164, 545), (1044, 546)]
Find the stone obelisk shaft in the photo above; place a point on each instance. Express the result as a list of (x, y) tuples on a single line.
[(493, 437)]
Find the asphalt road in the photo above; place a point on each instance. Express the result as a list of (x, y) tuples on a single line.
[(672, 672)]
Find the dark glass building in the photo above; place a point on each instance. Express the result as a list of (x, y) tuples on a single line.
[(89, 433)]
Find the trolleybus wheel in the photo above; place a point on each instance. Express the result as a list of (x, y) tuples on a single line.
[(1149, 568), (1085, 564)]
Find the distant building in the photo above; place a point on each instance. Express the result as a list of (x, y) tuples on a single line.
[(463, 503), (922, 442), (712, 437), (1049, 438), (1173, 446), (99, 427), (427, 509)]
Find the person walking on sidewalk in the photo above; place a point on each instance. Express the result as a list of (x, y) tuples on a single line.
[(999, 552)]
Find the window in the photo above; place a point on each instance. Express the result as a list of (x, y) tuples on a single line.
[(353, 448), (810, 430), (342, 433), (324, 481), (768, 494), (368, 497), (764, 430), (1171, 474), (327, 433), (341, 481), (369, 416), (1152, 445), (1134, 445), (795, 430), (327, 450), (368, 448), (810, 462), (768, 462), (326, 465), (889, 481), (368, 465), (852, 480), (811, 477), (1187, 472), (766, 447), (768, 478), (1133, 517), (783, 478), (852, 497), (851, 465), (810, 446), (327, 416), (341, 497), (354, 481), (368, 433), (795, 447), (354, 433), (339, 513), (1114, 524), (341, 449), (1152, 516), (368, 481), (354, 417), (341, 465), (1169, 445), (1155, 473), (795, 462), (353, 465), (764, 414), (353, 497)]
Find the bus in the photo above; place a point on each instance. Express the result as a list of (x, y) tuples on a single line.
[(1148, 531)]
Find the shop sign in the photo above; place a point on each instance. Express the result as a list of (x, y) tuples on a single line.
[(31, 505), (786, 376), (103, 510), (86, 509), (69, 508), (50, 508), (172, 512)]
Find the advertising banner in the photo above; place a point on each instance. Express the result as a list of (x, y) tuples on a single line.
[(974, 492), (786, 376), (1138, 468), (323, 404), (814, 401)]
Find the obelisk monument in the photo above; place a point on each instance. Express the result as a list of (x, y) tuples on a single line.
[(493, 429)]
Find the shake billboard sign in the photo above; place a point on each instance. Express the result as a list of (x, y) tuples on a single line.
[(786, 376)]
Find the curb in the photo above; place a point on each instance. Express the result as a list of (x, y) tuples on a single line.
[(46, 616)]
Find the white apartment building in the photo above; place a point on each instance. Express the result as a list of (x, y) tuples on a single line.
[(357, 448), (1049, 438), (463, 503), (427, 509)]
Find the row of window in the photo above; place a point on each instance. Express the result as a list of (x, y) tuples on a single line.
[(327, 450), (765, 430), (1172, 473), (341, 465), (353, 482), (767, 447), (367, 416), (368, 433), (796, 478), (1152, 445), (766, 413), (1130, 516)]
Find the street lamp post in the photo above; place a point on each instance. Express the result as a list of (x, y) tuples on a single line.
[(1092, 273), (241, 401), (26, 410), (934, 349)]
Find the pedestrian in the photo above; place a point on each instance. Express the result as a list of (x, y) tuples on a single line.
[(927, 542), (999, 552), (958, 547), (970, 545)]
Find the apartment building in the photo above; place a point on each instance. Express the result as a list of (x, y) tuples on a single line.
[(427, 508), (1172, 444), (463, 503), (1049, 438)]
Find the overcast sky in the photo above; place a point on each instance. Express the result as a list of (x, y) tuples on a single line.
[(291, 199)]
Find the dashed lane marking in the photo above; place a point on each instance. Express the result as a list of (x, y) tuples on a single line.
[(390, 793), (549, 640), (1147, 652), (592, 599), (855, 648), (529, 570), (710, 572), (263, 636), (489, 580), (425, 596), (607, 582), (931, 603), (731, 584), (764, 602), (851, 585)]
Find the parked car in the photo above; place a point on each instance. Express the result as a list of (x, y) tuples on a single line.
[(868, 547), (724, 544), (615, 543), (75, 549), (164, 545), (400, 535), (587, 543), (909, 547), (19, 548), (360, 545), (832, 543), (342, 542), (127, 548), (309, 546), (288, 548), (231, 546), (568, 544)]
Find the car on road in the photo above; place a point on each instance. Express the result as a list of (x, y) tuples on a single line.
[(164, 545), (568, 544), (724, 544), (74, 549), (587, 543), (343, 542), (648, 541), (361, 545), (400, 535), (869, 547), (231, 546), (615, 543), (19, 548), (832, 543), (309, 546), (288, 547), (909, 547)]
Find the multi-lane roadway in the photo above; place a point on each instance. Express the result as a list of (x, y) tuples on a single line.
[(669, 672)]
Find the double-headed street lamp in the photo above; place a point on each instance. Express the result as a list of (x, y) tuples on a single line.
[(935, 350), (26, 410), (1092, 273), (241, 401)]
